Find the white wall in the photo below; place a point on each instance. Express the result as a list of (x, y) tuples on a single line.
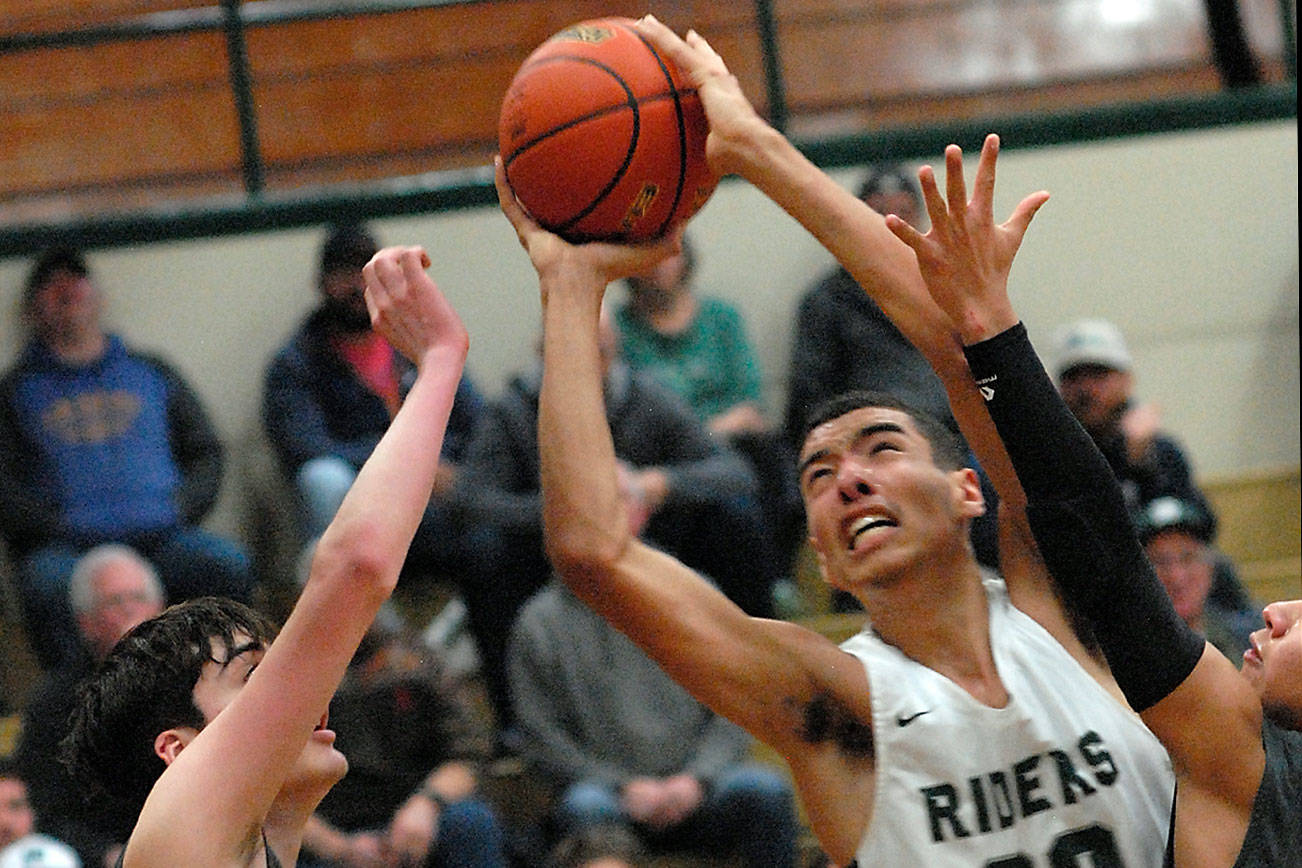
[(1188, 241)]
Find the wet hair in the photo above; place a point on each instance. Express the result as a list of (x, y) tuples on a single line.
[(347, 246), (947, 450), (52, 261), (146, 686)]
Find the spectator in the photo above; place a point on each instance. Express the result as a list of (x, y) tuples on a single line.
[(112, 590), (101, 443), (20, 845), (698, 348), (844, 342), (623, 744), (414, 745), (696, 493), (331, 392), (1095, 375), (1094, 371), (1177, 535)]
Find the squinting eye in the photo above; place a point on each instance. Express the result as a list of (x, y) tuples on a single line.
[(884, 446)]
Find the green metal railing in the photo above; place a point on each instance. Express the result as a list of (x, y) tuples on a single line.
[(260, 210)]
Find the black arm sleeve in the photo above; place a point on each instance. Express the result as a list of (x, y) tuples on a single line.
[(1078, 516)]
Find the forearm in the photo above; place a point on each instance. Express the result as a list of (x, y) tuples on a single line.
[(851, 231), (385, 504), (1078, 516), (583, 513)]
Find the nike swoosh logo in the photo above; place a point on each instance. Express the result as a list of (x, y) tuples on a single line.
[(905, 721)]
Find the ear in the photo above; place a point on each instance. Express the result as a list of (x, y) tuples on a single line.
[(169, 743), (971, 501)]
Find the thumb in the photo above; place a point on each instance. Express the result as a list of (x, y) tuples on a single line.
[(1025, 212)]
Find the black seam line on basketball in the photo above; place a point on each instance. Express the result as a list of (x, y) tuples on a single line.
[(631, 104), (682, 133)]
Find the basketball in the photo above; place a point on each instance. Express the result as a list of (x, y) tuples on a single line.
[(600, 140)]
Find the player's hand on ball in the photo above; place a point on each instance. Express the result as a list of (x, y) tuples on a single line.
[(594, 264), (408, 308), (734, 123)]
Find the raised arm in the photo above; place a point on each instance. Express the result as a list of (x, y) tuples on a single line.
[(211, 800), (1188, 693), (757, 673)]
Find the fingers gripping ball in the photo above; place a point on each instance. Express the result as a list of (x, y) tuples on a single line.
[(600, 139)]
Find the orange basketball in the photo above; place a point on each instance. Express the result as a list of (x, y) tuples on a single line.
[(599, 139)]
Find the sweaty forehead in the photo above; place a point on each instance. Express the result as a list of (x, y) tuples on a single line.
[(843, 430)]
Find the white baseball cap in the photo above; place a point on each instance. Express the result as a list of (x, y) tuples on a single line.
[(1090, 342)]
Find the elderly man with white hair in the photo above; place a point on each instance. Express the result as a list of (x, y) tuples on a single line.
[(112, 589)]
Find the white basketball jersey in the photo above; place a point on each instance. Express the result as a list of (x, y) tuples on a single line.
[(1062, 777)]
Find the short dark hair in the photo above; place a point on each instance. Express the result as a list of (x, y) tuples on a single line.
[(947, 449), (146, 686), (49, 263), (347, 245)]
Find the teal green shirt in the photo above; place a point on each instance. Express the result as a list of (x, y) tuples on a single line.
[(710, 364)]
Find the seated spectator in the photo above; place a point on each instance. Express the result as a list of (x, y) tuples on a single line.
[(697, 347), (700, 498), (330, 394), (112, 590), (623, 744), (843, 342), (1177, 537), (101, 443), (599, 847), (414, 745), (20, 845), (1095, 374)]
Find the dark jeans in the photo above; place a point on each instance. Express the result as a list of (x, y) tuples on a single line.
[(748, 812)]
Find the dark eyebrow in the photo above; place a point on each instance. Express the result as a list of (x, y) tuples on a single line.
[(864, 432), (238, 651), (804, 465)]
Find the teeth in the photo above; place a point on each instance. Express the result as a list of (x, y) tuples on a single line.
[(865, 524)]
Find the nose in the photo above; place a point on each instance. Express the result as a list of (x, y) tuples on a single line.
[(1274, 617), (851, 483)]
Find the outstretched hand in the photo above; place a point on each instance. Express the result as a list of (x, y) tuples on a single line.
[(596, 264), (408, 309), (965, 258)]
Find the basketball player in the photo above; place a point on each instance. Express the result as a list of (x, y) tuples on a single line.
[(1235, 736), (219, 733), (968, 725)]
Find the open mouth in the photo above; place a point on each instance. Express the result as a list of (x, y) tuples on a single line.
[(865, 526)]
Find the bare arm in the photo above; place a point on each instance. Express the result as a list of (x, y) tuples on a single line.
[(743, 668), (215, 796)]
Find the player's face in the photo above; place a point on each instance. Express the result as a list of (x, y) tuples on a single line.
[(218, 685), (1185, 567), (877, 505), (1274, 662)]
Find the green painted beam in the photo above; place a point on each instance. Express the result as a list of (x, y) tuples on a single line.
[(470, 188)]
